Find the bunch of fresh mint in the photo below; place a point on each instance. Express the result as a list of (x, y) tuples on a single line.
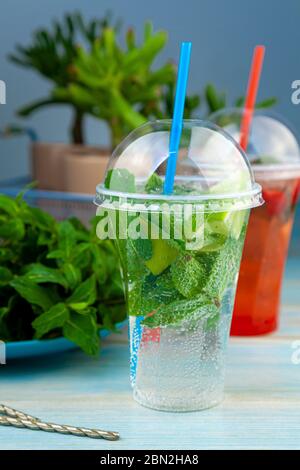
[(56, 278)]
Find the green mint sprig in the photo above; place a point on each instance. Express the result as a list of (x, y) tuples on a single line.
[(56, 278)]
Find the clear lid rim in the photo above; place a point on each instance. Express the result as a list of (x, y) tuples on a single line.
[(256, 191), (286, 167)]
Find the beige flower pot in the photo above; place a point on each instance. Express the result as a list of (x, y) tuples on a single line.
[(65, 167), (84, 172), (47, 164)]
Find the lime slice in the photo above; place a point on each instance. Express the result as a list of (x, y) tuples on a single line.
[(237, 222), (219, 226), (227, 223), (163, 255), (240, 181), (218, 216), (216, 231), (214, 243)]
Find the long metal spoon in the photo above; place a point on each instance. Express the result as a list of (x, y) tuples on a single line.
[(22, 420)]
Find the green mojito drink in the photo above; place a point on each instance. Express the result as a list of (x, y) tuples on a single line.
[(180, 257)]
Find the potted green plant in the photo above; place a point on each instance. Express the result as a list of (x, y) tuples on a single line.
[(52, 53), (119, 86), (217, 100), (101, 78)]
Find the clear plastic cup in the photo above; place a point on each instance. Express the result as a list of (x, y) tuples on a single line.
[(180, 257), (274, 154)]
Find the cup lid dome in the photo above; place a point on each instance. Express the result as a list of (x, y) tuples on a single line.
[(211, 168), (273, 148)]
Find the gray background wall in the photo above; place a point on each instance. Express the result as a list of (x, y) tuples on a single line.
[(223, 33)]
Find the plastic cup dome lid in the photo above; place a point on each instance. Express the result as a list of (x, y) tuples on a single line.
[(212, 170), (273, 148)]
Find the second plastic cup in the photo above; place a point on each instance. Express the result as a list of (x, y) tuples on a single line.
[(180, 257), (275, 158)]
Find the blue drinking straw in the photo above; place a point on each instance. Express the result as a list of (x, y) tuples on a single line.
[(176, 129)]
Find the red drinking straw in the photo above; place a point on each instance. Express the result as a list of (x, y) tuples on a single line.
[(253, 82)]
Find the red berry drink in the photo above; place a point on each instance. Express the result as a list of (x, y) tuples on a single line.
[(274, 153), (257, 301)]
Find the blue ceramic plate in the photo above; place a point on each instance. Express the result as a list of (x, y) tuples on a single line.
[(35, 348)]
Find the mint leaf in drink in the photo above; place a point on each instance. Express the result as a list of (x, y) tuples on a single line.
[(181, 190), (131, 258), (134, 297), (192, 310), (148, 292), (143, 248), (207, 260), (163, 290), (212, 321), (224, 270), (134, 265), (158, 291), (188, 275), (165, 282), (120, 179), (54, 318), (154, 184)]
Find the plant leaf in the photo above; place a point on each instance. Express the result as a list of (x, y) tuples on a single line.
[(56, 254), (38, 218), (8, 205), (146, 53), (38, 273), (126, 111), (214, 99), (267, 103), (67, 239), (6, 254), (72, 275), (82, 330), (36, 105), (33, 293), (84, 295), (54, 318), (5, 276), (12, 230)]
